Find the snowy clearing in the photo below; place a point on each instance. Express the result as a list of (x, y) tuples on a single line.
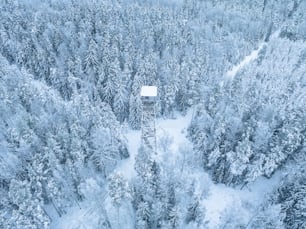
[(220, 198)]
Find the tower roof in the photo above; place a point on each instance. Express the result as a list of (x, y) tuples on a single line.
[(150, 91)]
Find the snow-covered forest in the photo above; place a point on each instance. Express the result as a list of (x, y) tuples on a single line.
[(230, 114)]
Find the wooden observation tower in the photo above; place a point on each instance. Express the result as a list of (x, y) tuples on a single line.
[(148, 130)]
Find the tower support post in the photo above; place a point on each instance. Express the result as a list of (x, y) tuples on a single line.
[(148, 128)]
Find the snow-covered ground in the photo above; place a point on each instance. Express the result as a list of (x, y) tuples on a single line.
[(126, 167), (245, 201), (219, 199)]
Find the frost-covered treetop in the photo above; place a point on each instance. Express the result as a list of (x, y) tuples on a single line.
[(150, 91)]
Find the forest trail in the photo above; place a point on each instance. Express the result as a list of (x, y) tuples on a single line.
[(252, 56)]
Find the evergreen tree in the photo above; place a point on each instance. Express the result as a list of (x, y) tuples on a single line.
[(121, 97), (135, 109), (118, 192), (194, 212), (270, 217), (29, 212), (239, 159), (143, 215)]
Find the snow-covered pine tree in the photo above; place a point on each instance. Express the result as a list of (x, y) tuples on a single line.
[(121, 96), (118, 192), (143, 214), (28, 211), (135, 103)]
